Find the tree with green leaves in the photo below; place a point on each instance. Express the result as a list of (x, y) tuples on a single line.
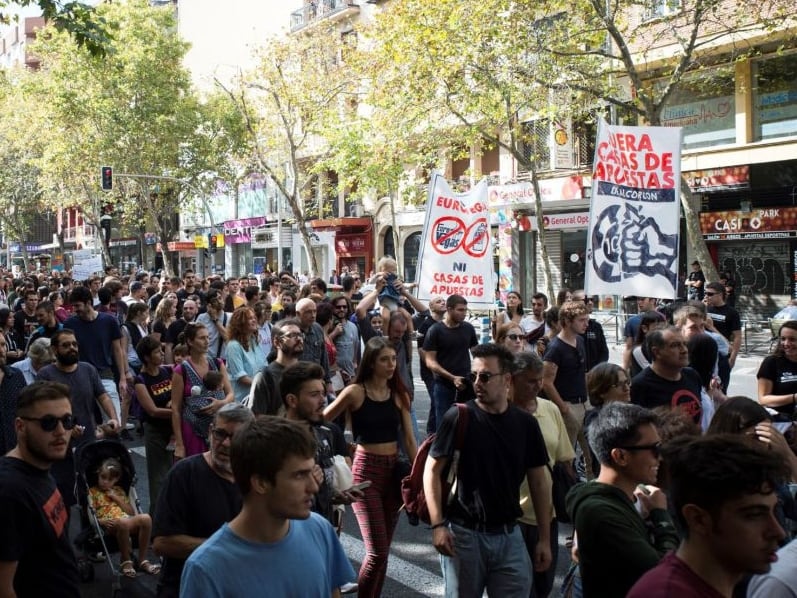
[(299, 89), (80, 20), (633, 56), (475, 71), (448, 71), (134, 109)]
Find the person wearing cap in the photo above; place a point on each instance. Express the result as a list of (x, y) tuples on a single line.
[(695, 283)]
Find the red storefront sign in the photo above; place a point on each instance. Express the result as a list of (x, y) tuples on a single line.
[(347, 245), (719, 179), (761, 223)]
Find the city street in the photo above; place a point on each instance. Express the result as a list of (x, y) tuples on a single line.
[(413, 569)]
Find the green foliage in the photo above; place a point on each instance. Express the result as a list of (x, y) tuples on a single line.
[(89, 29), (134, 109)]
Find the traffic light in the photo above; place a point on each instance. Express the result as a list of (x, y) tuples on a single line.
[(106, 173), (212, 243)]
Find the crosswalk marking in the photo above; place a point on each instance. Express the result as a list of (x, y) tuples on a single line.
[(398, 569)]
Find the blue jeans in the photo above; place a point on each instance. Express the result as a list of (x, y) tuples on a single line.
[(444, 396), (498, 563), (110, 387)]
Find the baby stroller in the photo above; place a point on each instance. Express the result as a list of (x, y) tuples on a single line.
[(93, 539)]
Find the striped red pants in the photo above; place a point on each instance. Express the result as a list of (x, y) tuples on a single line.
[(377, 514)]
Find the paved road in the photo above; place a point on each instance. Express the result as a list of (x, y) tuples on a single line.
[(413, 569)]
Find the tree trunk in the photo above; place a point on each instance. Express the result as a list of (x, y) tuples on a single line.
[(694, 235)]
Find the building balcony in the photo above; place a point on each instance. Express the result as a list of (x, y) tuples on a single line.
[(314, 11)]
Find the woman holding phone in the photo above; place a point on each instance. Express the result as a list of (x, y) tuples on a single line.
[(378, 405)]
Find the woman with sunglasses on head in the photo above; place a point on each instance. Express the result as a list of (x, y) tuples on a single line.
[(512, 337), (777, 376), (379, 408), (186, 375), (606, 383)]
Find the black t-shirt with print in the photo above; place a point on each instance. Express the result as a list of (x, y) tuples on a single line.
[(650, 390), (34, 521), (783, 374)]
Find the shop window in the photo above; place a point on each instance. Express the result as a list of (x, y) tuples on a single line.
[(412, 247), (704, 105), (775, 97), (389, 244)]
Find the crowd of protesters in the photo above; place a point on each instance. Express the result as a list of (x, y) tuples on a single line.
[(242, 389)]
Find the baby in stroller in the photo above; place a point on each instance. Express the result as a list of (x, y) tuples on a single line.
[(118, 516)]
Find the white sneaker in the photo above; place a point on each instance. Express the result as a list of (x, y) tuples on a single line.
[(129, 426), (348, 588)]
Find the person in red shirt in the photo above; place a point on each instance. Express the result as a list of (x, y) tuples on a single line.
[(723, 492)]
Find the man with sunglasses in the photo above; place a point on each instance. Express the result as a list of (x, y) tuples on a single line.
[(621, 521), (36, 558), (288, 340), (477, 535), (728, 323), (198, 496)]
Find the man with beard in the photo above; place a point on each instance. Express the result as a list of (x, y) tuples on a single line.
[(190, 311), (99, 340), (288, 340), (25, 320), (36, 558), (724, 499), (12, 381), (85, 391), (48, 323), (302, 389), (198, 496)]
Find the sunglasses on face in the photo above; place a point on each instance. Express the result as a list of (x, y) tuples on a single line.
[(707, 294), (49, 423), (483, 377), (514, 337), (655, 449)]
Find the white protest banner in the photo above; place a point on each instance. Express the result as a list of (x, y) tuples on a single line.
[(456, 253), (632, 243), (87, 268)]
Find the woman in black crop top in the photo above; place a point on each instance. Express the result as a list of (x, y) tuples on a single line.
[(379, 406)]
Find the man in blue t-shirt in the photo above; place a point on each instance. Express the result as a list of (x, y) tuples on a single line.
[(297, 552)]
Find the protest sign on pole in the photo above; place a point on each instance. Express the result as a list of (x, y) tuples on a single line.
[(456, 251), (632, 242)]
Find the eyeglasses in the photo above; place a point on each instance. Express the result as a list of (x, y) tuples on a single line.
[(49, 423), (514, 337), (655, 449), (294, 335), (483, 377), (622, 384), (220, 434)]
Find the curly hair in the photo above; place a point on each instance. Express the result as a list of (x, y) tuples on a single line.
[(238, 326)]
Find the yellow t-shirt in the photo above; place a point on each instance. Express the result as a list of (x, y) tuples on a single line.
[(557, 443), (105, 506)]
